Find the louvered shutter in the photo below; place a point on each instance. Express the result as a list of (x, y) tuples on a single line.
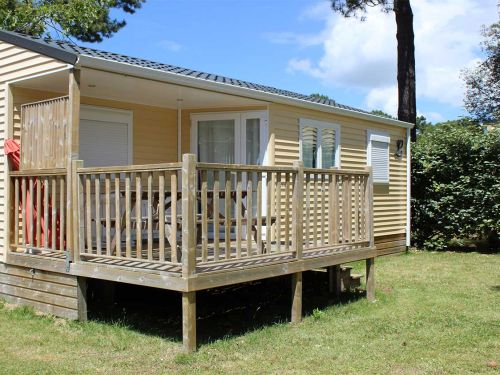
[(309, 146), (380, 161), (327, 148)]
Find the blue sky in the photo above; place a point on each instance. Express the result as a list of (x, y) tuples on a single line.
[(302, 46)]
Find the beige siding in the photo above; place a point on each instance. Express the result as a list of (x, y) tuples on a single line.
[(15, 63), (389, 200)]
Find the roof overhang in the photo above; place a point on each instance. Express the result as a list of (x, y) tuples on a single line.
[(169, 77)]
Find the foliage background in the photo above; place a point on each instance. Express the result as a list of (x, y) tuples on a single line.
[(456, 185)]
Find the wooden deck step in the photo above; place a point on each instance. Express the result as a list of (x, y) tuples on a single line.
[(355, 280)]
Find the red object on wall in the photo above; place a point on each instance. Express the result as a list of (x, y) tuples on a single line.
[(13, 152)]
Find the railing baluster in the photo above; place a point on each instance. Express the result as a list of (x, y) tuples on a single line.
[(173, 215), (239, 214), (331, 203), (16, 211), (315, 209), (356, 209), (161, 216), (204, 217), (307, 241), (38, 214), (268, 212), (46, 212), (138, 215), (277, 202), (24, 218), (53, 214), (30, 212), (345, 209), (107, 192), (249, 213), (227, 214), (288, 206), (150, 215), (88, 210), (336, 209), (98, 222), (323, 214), (128, 211), (62, 214), (259, 213), (216, 211), (118, 216)]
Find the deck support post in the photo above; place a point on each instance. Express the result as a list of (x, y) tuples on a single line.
[(296, 297), (81, 295), (370, 279), (335, 280), (189, 321)]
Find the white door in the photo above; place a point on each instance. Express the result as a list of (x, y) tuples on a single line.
[(229, 138), (105, 137), (233, 137)]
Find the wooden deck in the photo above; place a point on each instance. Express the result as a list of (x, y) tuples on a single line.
[(199, 225)]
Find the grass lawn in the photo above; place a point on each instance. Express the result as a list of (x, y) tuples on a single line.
[(436, 313)]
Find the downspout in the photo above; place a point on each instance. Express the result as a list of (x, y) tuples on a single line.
[(408, 187), (179, 129)]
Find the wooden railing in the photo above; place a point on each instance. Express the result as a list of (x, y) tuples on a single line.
[(39, 214), (193, 215), (129, 212), (337, 208), (200, 214)]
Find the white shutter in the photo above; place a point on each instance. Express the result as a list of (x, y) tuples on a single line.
[(104, 143), (380, 161)]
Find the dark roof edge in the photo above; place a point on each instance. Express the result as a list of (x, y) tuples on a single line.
[(54, 52)]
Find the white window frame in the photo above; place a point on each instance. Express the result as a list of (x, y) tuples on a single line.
[(95, 113), (320, 125), (378, 136), (240, 129)]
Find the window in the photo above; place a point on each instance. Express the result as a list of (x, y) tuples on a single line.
[(319, 144), (378, 155)]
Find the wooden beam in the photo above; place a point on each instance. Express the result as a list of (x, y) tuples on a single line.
[(189, 321), (72, 151), (296, 297), (370, 279), (188, 215), (81, 290)]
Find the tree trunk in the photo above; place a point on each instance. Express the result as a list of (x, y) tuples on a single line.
[(407, 106)]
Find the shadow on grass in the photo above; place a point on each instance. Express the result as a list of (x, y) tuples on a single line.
[(223, 312)]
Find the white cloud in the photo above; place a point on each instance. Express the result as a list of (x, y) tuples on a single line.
[(384, 98), (363, 55), (170, 45)]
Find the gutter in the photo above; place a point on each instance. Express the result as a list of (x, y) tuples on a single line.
[(194, 82), (408, 188)]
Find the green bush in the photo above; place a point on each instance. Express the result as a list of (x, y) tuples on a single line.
[(455, 185)]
